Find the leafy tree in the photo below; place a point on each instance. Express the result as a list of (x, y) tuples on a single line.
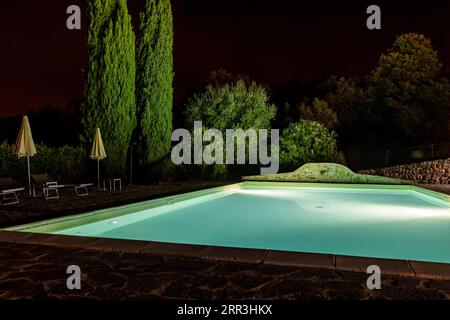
[(305, 142), (110, 80), (237, 105), (347, 99), (155, 80), (320, 112), (409, 90), (231, 106)]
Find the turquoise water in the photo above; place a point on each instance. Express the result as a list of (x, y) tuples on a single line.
[(398, 224)]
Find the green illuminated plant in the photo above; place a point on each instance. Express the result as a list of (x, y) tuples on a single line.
[(154, 89), (307, 141), (110, 81), (232, 106)]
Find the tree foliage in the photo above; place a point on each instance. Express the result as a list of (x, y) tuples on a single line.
[(305, 142), (110, 80), (409, 91), (320, 112), (155, 80), (347, 100), (231, 106)]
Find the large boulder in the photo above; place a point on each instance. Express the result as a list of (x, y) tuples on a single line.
[(325, 173)]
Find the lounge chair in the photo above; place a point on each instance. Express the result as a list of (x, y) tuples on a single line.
[(9, 191), (50, 187)]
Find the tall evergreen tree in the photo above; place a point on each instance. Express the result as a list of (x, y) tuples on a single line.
[(110, 80), (154, 81)]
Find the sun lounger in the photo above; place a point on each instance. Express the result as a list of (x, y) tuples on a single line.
[(9, 191), (81, 190), (50, 187)]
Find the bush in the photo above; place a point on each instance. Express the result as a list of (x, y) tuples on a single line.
[(306, 142), (65, 164), (10, 166), (238, 105), (231, 107), (216, 172), (163, 169)]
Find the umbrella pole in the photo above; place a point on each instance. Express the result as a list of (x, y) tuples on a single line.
[(29, 175), (98, 174)]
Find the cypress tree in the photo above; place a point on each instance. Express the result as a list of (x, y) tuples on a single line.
[(154, 81), (110, 80)]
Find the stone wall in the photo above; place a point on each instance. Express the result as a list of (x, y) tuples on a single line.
[(432, 172)]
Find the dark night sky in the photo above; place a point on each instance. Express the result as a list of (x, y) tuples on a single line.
[(271, 41)]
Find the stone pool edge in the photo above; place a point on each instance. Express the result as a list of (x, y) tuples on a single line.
[(405, 268)]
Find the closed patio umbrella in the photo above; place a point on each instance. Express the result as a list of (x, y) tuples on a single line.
[(24, 146), (98, 152)]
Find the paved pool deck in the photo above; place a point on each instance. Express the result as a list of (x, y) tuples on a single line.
[(39, 272), (34, 266)]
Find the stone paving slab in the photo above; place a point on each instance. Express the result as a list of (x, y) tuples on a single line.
[(360, 264), (11, 236), (65, 241), (33, 238), (117, 245), (233, 254), (173, 249), (431, 270), (297, 259)]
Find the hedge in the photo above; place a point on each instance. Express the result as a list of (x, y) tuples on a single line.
[(65, 164)]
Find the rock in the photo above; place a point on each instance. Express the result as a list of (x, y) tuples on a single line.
[(435, 172)]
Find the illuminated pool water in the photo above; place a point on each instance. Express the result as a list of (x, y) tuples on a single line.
[(384, 222)]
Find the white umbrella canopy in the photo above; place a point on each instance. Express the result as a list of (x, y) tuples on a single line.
[(24, 146), (98, 152)]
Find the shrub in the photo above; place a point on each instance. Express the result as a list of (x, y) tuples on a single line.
[(305, 142), (217, 172), (10, 166), (65, 164), (232, 106), (238, 105)]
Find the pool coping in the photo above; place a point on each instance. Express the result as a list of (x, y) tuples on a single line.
[(419, 269), (395, 267)]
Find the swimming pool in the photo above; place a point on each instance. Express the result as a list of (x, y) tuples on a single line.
[(392, 222)]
